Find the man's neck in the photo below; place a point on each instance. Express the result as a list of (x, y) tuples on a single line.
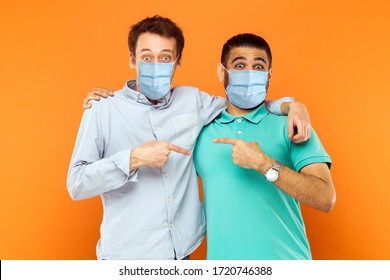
[(239, 112), (154, 102)]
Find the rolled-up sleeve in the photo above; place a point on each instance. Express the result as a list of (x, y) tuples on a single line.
[(90, 173), (274, 105)]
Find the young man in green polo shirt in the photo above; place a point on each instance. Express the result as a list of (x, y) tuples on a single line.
[(254, 177)]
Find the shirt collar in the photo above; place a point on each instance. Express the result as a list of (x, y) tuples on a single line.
[(254, 116), (131, 92)]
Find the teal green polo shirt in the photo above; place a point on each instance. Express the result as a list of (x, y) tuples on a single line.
[(247, 216)]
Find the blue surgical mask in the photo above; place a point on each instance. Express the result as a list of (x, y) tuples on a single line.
[(247, 88), (154, 79)]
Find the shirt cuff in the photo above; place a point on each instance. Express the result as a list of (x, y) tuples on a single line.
[(274, 105), (314, 159), (122, 161)]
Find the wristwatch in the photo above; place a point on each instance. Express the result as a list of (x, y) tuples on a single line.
[(273, 173)]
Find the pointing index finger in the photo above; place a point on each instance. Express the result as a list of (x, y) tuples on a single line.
[(226, 140), (178, 149)]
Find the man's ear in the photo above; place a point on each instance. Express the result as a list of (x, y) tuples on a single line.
[(269, 76), (178, 62), (132, 62), (220, 72)]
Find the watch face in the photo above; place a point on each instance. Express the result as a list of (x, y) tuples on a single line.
[(272, 175)]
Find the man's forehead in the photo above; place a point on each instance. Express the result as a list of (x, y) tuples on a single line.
[(154, 42), (247, 53)]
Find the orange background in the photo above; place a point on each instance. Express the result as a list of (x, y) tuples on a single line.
[(331, 55)]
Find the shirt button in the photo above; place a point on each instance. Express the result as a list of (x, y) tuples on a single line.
[(155, 128), (239, 132), (238, 120), (169, 200), (170, 226)]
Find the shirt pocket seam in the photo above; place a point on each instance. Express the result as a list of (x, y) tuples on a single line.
[(185, 126)]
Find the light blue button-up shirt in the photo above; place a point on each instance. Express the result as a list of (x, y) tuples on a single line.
[(149, 213)]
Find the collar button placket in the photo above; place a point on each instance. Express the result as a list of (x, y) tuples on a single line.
[(240, 128)]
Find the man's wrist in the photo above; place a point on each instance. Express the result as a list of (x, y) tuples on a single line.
[(134, 160), (272, 173), (264, 164), (285, 105)]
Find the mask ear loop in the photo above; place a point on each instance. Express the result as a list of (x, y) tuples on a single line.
[(135, 60), (177, 58), (225, 68), (268, 72), (173, 76)]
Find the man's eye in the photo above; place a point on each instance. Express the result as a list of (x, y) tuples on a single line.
[(240, 66), (258, 67), (146, 58), (166, 58)]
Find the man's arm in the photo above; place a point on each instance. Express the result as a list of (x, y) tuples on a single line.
[(299, 127), (312, 185), (90, 174), (210, 106)]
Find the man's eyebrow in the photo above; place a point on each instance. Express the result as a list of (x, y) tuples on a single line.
[(244, 58), (238, 58), (262, 59), (149, 50)]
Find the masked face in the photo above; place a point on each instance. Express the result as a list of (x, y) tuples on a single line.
[(246, 77), (155, 59)]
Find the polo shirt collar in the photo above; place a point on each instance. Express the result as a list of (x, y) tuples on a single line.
[(131, 92), (254, 117)]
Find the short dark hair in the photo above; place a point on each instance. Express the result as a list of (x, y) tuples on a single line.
[(245, 40), (157, 25)]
